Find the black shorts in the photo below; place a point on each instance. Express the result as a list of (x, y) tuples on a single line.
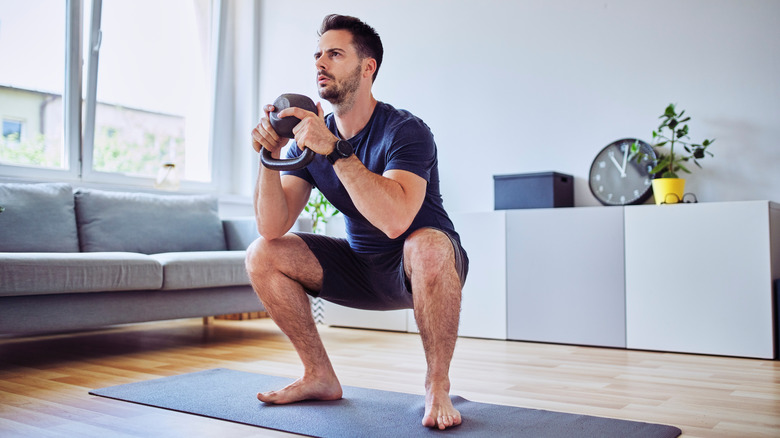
[(367, 281)]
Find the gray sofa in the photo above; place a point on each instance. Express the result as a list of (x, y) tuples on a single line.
[(77, 259)]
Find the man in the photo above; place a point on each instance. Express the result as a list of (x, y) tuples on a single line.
[(378, 166)]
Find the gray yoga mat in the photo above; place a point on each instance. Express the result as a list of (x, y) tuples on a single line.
[(232, 395)]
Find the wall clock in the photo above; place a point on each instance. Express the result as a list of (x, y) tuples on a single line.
[(618, 178)]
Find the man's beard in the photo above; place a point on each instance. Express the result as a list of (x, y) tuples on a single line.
[(341, 94)]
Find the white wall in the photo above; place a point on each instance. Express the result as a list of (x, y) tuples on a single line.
[(538, 85)]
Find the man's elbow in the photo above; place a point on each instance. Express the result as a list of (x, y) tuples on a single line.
[(268, 233), (397, 229)]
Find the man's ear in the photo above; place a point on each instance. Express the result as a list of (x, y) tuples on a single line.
[(369, 67)]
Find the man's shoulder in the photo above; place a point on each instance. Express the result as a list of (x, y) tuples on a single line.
[(395, 118)]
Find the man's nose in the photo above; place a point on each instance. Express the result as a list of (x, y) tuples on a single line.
[(319, 63)]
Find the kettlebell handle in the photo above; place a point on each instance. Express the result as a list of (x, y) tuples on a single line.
[(284, 128), (299, 162)]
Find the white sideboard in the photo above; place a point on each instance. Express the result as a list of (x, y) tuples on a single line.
[(699, 277), (694, 278)]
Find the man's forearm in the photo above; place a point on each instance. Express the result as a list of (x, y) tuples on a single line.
[(270, 204), (381, 200)]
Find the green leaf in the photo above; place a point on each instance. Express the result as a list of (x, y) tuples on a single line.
[(669, 112)]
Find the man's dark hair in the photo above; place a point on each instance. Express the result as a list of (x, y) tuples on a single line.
[(366, 40)]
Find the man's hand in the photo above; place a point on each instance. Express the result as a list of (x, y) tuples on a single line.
[(311, 131), (264, 136)]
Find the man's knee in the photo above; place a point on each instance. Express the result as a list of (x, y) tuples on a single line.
[(428, 250), (288, 255), (263, 254), (258, 255)]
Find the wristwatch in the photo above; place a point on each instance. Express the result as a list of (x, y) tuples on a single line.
[(342, 150)]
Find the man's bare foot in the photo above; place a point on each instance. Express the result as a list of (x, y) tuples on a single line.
[(302, 389), (439, 411)]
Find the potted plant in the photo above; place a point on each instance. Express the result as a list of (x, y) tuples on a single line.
[(319, 210), (668, 187)]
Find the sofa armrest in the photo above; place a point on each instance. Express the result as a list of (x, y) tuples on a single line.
[(239, 232), (242, 231)]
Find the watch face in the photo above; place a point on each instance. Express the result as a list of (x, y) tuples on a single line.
[(344, 148), (620, 176)]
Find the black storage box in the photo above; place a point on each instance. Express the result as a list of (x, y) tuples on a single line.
[(533, 190)]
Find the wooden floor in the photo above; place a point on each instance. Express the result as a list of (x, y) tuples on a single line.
[(44, 380)]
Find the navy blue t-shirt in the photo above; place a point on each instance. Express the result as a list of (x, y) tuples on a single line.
[(393, 139)]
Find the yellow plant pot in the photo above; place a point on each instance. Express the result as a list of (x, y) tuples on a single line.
[(668, 190)]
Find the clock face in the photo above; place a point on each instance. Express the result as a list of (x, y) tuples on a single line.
[(620, 176)]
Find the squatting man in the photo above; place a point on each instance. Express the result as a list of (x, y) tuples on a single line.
[(377, 165)]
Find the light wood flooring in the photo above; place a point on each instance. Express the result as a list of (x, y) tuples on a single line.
[(44, 380)]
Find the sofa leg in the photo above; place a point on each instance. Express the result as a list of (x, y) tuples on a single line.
[(208, 320)]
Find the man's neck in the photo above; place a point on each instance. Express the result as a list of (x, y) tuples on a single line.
[(352, 119)]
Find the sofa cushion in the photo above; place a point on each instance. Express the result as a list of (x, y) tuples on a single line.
[(146, 223), (188, 270), (37, 217), (49, 273)]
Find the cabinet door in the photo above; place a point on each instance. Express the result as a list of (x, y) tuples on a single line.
[(698, 278), (565, 276), (483, 305)]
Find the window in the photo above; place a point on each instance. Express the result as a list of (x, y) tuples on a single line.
[(12, 130), (32, 78), (146, 94), (153, 88)]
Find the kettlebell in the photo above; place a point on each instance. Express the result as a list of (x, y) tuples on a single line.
[(284, 127)]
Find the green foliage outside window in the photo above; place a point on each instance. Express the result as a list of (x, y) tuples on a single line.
[(112, 153), (28, 152)]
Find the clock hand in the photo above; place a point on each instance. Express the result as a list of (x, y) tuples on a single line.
[(625, 159), (614, 161)]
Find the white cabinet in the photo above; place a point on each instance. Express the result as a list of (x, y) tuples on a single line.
[(699, 277), (693, 278), (565, 281)]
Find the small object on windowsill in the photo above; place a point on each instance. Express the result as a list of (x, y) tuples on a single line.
[(167, 178)]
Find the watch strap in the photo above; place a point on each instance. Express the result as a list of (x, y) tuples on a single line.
[(342, 150)]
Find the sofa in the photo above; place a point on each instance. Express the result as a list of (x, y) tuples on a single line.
[(85, 258)]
